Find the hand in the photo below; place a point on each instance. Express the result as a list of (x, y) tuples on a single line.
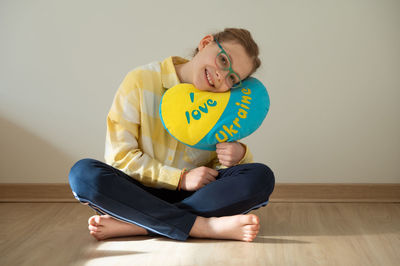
[(230, 153), (198, 178)]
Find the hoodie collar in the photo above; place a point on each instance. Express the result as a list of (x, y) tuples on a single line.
[(169, 77)]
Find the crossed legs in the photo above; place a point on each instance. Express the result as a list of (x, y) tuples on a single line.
[(215, 211)]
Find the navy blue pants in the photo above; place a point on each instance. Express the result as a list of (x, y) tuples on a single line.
[(238, 189)]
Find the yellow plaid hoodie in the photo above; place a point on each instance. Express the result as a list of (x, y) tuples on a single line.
[(136, 141)]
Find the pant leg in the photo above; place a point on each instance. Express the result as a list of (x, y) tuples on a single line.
[(111, 191), (237, 190)]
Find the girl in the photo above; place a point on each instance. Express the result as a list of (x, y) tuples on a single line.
[(144, 188)]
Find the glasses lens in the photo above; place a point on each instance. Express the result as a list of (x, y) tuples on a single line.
[(237, 85), (233, 80), (222, 61)]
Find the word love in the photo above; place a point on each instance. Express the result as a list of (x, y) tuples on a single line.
[(196, 113)]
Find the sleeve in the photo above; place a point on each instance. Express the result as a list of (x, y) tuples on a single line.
[(122, 149), (247, 158)]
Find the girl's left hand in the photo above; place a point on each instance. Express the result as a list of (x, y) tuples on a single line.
[(230, 153)]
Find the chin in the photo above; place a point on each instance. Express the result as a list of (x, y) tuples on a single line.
[(205, 89), (200, 86)]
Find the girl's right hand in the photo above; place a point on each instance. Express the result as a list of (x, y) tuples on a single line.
[(198, 178)]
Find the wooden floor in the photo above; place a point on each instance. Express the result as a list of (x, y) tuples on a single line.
[(291, 234)]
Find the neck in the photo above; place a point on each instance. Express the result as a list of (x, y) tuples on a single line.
[(183, 71)]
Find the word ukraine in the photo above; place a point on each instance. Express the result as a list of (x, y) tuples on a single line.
[(241, 114)]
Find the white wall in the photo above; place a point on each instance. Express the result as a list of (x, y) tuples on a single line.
[(332, 68)]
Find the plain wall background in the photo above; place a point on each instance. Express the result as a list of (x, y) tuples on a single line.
[(332, 69)]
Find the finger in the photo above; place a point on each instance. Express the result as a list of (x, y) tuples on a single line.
[(222, 145), (225, 158), (222, 162), (204, 183), (226, 163), (229, 148), (222, 151), (213, 172), (210, 178)]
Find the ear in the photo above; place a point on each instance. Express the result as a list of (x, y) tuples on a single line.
[(205, 41)]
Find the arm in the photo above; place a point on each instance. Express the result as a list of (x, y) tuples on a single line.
[(122, 146)]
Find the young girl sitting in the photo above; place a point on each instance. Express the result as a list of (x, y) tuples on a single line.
[(151, 184)]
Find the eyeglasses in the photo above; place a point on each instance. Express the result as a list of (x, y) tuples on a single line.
[(223, 61)]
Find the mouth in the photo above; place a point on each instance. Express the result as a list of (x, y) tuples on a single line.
[(208, 78)]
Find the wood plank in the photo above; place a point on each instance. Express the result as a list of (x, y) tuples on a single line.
[(282, 193), (290, 234)]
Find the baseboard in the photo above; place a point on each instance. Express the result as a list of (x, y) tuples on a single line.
[(283, 193), (36, 193), (336, 193)]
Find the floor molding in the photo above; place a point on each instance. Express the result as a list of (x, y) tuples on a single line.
[(283, 192)]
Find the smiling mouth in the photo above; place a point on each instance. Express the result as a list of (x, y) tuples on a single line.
[(208, 78)]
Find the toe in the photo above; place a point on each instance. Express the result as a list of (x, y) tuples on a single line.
[(95, 235), (246, 219), (250, 234), (254, 227), (92, 220), (97, 219), (255, 219), (251, 228), (93, 228), (250, 219), (248, 239)]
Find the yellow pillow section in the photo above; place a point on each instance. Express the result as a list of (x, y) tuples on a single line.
[(189, 113)]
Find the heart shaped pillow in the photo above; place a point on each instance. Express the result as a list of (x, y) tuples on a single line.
[(201, 119)]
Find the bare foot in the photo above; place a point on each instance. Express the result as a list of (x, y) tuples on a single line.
[(242, 227), (104, 226)]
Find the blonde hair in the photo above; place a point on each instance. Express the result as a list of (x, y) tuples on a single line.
[(242, 37)]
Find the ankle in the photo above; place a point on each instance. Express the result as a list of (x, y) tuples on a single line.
[(200, 227)]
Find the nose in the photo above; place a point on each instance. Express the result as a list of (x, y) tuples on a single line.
[(218, 74), (222, 84), (221, 74)]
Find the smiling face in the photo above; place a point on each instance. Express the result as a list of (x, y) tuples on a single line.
[(207, 76)]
